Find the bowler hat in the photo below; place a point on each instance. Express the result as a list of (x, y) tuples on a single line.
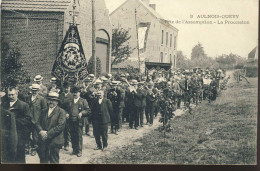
[(75, 89), (66, 84)]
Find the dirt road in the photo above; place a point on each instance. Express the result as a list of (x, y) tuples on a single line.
[(89, 155)]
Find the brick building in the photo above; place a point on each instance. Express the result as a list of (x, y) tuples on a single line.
[(157, 37), (37, 28)]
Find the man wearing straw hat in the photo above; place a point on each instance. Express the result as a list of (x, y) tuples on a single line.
[(53, 87), (43, 89), (50, 128), (36, 103)]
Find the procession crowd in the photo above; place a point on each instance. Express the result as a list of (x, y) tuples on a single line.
[(49, 117)]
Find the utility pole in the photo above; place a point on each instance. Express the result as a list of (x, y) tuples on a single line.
[(138, 52), (94, 37)]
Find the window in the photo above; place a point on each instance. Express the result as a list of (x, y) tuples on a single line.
[(166, 38), (171, 58), (162, 36), (166, 57), (171, 40), (174, 42), (161, 57)]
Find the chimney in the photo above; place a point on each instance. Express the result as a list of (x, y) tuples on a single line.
[(147, 2), (153, 6)]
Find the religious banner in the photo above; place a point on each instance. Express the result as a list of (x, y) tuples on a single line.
[(70, 64)]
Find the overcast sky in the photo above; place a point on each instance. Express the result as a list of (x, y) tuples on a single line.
[(216, 39)]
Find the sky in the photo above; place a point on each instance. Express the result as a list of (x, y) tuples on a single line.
[(217, 39)]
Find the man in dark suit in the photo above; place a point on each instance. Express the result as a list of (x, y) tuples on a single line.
[(100, 117), (50, 127), (140, 102), (23, 119), (9, 134), (78, 108), (150, 101), (113, 95), (65, 98), (133, 117), (36, 103)]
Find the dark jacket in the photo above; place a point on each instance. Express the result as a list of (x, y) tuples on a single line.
[(151, 97), (83, 108), (36, 106), (23, 119), (65, 101), (106, 111), (54, 125), (9, 136), (140, 98), (114, 96)]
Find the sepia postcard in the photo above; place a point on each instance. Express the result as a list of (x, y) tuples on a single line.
[(129, 82)]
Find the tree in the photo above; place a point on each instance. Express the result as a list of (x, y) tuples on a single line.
[(198, 52), (120, 50), (90, 66), (182, 61), (11, 67), (229, 61)]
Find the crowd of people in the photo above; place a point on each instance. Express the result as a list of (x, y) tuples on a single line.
[(49, 117)]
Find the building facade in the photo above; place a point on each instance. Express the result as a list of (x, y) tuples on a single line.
[(157, 38), (36, 28)]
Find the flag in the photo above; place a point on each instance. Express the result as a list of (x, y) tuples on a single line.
[(70, 64)]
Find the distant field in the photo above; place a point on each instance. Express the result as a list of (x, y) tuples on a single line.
[(222, 132)]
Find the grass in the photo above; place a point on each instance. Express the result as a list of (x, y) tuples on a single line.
[(222, 132)]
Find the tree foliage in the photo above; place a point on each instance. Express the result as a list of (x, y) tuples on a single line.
[(120, 49), (90, 67), (182, 61), (198, 52), (12, 71), (230, 61)]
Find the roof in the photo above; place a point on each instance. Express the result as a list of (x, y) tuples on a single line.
[(253, 53), (36, 5), (149, 9)]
